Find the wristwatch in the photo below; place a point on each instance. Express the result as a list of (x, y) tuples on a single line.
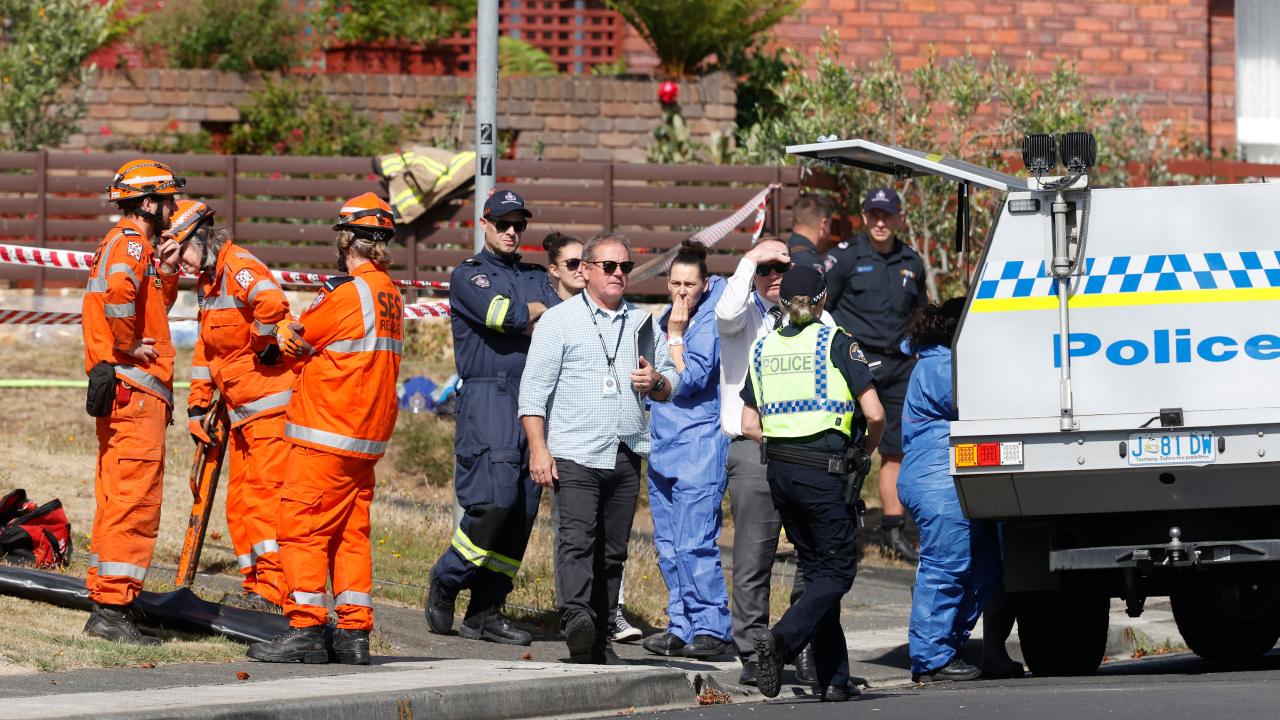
[(657, 387), (675, 341)]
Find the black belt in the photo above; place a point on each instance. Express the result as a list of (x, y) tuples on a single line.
[(834, 464)]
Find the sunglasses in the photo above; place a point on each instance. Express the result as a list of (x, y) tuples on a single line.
[(771, 268), (572, 264), (505, 225), (611, 266)]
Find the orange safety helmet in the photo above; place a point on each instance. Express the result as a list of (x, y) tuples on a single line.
[(367, 215), (140, 178), (187, 218)]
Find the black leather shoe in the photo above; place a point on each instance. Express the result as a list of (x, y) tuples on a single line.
[(895, 542), (309, 645), (351, 647), (493, 626), (805, 671), (116, 622), (768, 663), (439, 609), (580, 636), (836, 693), (666, 644), (611, 658), (705, 646), (956, 669), (748, 676)]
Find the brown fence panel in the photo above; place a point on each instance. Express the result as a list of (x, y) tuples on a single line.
[(282, 208)]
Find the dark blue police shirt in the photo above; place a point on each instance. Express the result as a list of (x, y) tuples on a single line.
[(489, 296), (804, 252), (872, 296)]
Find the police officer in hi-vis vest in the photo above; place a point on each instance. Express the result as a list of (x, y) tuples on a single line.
[(800, 402)]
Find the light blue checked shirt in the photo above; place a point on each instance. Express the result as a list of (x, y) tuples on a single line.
[(565, 373)]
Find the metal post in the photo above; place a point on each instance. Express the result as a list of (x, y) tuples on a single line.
[(486, 106)]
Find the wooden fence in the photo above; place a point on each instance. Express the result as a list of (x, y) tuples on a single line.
[(282, 208)]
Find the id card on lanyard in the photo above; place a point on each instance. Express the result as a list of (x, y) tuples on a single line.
[(609, 385)]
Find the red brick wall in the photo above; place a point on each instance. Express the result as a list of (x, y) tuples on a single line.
[(1179, 55)]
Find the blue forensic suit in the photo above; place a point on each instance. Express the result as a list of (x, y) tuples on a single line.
[(687, 480), (959, 558), (489, 296)]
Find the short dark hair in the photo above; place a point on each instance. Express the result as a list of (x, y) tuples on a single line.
[(935, 324), (810, 209), (694, 253)]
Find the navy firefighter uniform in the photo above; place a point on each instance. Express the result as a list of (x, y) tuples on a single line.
[(489, 294)]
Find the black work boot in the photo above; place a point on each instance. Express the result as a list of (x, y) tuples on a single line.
[(309, 645), (806, 672), (116, 622), (665, 644), (351, 647), (705, 646), (439, 608), (768, 662), (493, 626), (893, 541), (580, 636), (955, 669), (838, 693)]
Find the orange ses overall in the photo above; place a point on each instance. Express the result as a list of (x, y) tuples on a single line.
[(240, 305), (340, 419), (125, 300)]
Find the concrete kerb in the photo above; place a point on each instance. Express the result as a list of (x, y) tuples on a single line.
[(441, 690)]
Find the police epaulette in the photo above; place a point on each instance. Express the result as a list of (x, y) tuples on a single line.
[(130, 232), (532, 266), (332, 283), (471, 261)]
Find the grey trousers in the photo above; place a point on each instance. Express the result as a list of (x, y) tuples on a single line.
[(756, 525)]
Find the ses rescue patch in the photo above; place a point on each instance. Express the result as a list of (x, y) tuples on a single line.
[(245, 278), (134, 250), (480, 281)]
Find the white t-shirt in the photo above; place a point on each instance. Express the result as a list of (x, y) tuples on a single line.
[(742, 317)]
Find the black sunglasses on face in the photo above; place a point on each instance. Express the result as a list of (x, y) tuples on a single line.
[(572, 264), (504, 225), (769, 268), (611, 266)]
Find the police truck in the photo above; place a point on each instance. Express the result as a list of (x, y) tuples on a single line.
[(1117, 382)]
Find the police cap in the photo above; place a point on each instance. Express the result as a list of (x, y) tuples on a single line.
[(802, 280)]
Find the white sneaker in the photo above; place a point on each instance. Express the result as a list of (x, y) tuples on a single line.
[(623, 631)]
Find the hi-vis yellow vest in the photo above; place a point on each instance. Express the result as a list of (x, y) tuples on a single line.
[(799, 391)]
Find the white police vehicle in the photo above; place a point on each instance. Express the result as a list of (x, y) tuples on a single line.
[(1117, 377)]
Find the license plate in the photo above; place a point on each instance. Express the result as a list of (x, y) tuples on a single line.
[(1182, 447)]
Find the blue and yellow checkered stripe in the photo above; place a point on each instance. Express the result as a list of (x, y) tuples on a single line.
[(1174, 278)]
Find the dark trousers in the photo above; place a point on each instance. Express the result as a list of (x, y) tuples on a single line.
[(596, 511), (821, 526), (498, 498), (755, 542)]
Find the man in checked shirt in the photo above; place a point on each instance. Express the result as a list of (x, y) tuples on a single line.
[(582, 402)]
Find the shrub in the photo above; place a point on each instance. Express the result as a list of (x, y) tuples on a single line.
[(963, 108), (422, 447), (685, 33), (297, 119), (235, 35), (517, 58), (415, 21), (43, 48)]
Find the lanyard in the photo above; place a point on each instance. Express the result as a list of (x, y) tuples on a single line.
[(604, 348)]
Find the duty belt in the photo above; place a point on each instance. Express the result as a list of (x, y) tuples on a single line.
[(834, 464)]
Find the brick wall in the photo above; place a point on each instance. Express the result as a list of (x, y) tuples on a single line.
[(1179, 55), (563, 118)]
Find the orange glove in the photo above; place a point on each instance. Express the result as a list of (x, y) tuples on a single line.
[(289, 338), (196, 428)]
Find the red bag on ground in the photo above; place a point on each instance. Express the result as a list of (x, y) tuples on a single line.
[(34, 535)]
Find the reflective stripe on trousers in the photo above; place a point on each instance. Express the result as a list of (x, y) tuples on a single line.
[(121, 569), (308, 598), (351, 597), (334, 440)]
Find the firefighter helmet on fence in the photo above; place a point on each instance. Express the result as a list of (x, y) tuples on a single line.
[(140, 178), (368, 216), (188, 218)]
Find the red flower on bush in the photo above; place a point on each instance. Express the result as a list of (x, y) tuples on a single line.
[(106, 131), (668, 92)]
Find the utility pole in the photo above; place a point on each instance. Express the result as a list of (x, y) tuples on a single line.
[(486, 106)]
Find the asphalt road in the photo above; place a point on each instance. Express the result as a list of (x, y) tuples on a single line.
[(1177, 687)]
